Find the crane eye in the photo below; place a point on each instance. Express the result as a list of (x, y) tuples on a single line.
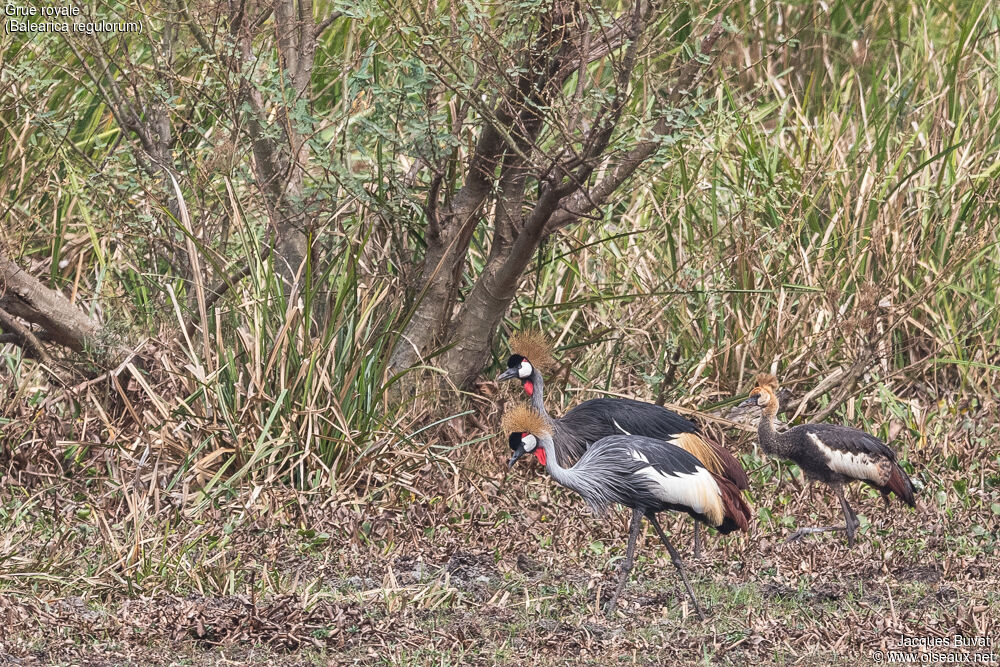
[(525, 370), (528, 442)]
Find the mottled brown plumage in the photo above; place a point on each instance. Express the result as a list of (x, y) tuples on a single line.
[(767, 380), (830, 453)]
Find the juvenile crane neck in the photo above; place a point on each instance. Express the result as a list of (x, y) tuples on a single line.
[(767, 434)]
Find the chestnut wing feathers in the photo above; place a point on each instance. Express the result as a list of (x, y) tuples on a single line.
[(592, 420)]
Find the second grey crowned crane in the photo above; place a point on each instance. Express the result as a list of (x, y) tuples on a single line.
[(598, 418), (645, 474)]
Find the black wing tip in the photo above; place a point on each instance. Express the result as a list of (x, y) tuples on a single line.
[(728, 526), (900, 484)]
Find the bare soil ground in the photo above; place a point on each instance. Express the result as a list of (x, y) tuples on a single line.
[(483, 569)]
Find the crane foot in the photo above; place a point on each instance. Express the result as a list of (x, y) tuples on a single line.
[(811, 530)]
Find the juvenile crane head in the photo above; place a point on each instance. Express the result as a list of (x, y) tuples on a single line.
[(525, 427), (765, 394), (529, 351)]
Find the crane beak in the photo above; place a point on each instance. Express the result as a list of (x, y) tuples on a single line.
[(518, 453), (750, 401), (508, 374)]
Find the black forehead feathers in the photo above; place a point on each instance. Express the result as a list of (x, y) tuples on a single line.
[(514, 360), (515, 441)]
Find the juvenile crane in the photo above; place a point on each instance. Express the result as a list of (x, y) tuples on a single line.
[(645, 474), (830, 453), (598, 418)]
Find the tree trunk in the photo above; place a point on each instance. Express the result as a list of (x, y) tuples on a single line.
[(448, 239), (440, 279), (564, 44), (473, 339), (24, 296), (280, 162), (486, 305), (282, 195)]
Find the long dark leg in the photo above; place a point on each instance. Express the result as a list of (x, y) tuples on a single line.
[(697, 540), (678, 563), (633, 534), (849, 516)]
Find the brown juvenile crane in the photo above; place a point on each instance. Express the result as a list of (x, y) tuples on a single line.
[(598, 418), (830, 453), (645, 474)]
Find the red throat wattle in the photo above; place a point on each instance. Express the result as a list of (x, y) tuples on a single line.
[(529, 387), (540, 455)]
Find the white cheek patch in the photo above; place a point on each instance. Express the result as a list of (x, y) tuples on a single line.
[(858, 466), (528, 442), (525, 370)]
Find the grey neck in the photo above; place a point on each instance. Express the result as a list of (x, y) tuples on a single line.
[(538, 393), (584, 478), (571, 443), (768, 436), (565, 476)]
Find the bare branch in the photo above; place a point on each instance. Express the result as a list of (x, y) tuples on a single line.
[(195, 29), (227, 283), (584, 201), (431, 209), (607, 41), (306, 45), (23, 296), (609, 114), (24, 337), (326, 23), (536, 87)]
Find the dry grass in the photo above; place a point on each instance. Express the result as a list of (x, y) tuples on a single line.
[(264, 491), (481, 569)]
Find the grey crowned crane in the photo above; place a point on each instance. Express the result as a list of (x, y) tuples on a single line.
[(830, 453), (645, 474), (598, 418)]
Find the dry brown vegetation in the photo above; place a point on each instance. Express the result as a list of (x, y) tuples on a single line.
[(488, 567), (215, 467)]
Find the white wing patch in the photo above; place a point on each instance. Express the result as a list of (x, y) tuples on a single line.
[(639, 456), (615, 422), (696, 490), (858, 466)]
